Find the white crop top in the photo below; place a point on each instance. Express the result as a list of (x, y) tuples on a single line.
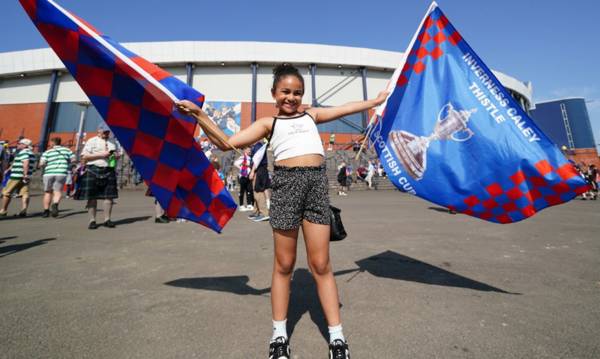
[(295, 136)]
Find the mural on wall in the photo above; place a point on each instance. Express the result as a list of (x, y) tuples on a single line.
[(227, 115)]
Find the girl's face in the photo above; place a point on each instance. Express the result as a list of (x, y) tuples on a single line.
[(288, 95)]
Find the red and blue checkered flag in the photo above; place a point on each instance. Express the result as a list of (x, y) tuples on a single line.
[(450, 133), (136, 98)]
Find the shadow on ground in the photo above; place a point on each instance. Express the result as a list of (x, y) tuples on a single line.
[(440, 209), (72, 214), (29, 215), (392, 265), (131, 220), (304, 298), (15, 248)]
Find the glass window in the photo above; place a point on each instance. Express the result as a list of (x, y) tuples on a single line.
[(66, 117), (68, 114), (92, 120)]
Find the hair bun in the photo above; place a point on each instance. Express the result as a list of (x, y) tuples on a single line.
[(283, 70)]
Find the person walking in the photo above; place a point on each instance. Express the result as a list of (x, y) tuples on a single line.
[(56, 163), (4, 161), (300, 196), (259, 175), (21, 170), (99, 180)]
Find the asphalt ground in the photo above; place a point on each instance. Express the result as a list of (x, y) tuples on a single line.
[(414, 282)]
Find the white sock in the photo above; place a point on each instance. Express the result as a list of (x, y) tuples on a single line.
[(336, 332), (279, 329)]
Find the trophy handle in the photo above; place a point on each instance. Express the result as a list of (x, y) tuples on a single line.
[(446, 106), (469, 133)]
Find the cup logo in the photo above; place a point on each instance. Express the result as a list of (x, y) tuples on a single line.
[(411, 149)]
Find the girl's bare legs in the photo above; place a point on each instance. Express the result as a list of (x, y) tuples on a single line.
[(316, 238), (283, 266)]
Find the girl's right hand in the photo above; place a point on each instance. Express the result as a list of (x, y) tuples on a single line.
[(188, 108)]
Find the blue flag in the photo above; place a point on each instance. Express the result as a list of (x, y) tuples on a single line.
[(452, 134)]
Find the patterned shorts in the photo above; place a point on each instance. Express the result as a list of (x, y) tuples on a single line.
[(299, 193)]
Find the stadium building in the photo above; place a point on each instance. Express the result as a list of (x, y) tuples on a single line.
[(40, 99), (567, 123)]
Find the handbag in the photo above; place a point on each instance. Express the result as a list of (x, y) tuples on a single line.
[(337, 232)]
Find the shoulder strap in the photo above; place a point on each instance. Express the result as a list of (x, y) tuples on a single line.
[(272, 130)]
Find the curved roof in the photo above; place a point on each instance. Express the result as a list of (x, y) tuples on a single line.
[(234, 52)]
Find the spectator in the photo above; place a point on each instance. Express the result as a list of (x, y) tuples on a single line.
[(21, 170), (69, 184), (342, 179), (590, 176), (99, 181), (361, 172), (230, 181), (331, 141), (4, 161), (381, 171), (159, 213), (370, 174), (243, 163), (56, 163), (260, 178)]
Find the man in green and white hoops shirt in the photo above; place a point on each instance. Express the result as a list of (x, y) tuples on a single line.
[(56, 162), (21, 170)]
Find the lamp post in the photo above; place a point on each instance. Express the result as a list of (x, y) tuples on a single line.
[(79, 140)]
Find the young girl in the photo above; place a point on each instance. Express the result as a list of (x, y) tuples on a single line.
[(300, 196)]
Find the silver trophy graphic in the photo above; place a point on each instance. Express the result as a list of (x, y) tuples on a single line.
[(412, 149)]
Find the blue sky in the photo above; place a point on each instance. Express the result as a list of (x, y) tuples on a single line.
[(554, 44)]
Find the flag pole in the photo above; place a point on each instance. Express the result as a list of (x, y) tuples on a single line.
[(221, 138), (394, 79)]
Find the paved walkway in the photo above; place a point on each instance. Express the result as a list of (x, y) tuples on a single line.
[(415, 282)]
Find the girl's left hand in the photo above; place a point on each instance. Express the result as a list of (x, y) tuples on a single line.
[(381, 98)]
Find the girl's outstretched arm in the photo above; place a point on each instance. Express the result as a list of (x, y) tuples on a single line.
[(325, 114), (250, 135)]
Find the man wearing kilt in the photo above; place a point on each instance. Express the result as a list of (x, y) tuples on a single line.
[(99, 180)]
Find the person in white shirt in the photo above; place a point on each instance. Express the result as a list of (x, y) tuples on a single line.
[(56, 162), (99, 180), (370, 174), (300, 196)]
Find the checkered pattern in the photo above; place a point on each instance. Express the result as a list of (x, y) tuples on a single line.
[(436, 34), (158, 139), (523, 194)]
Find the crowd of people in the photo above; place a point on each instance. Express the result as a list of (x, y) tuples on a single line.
[(93, 177), (368, 174), (592, 177)]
